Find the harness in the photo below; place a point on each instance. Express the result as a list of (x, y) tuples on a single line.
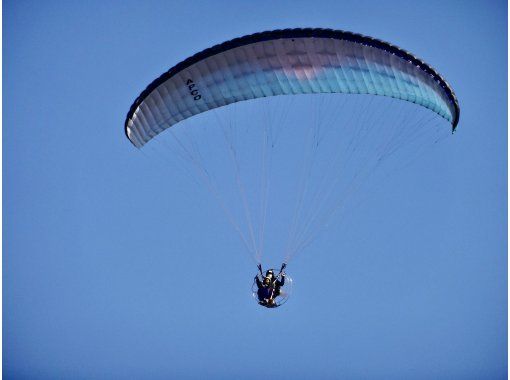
[(272, 284)]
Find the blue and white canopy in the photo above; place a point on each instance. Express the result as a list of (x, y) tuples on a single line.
[(286, 62)]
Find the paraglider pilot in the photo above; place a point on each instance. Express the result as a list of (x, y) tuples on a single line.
[(270, 287)]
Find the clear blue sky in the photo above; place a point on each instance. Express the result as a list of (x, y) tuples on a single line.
[(93, 252)]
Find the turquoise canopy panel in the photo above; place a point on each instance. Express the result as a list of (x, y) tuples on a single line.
[(286, 62)]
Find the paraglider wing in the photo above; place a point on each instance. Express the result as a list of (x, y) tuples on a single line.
[(286, 62)]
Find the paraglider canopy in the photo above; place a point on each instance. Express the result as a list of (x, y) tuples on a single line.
[(286, 62)]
